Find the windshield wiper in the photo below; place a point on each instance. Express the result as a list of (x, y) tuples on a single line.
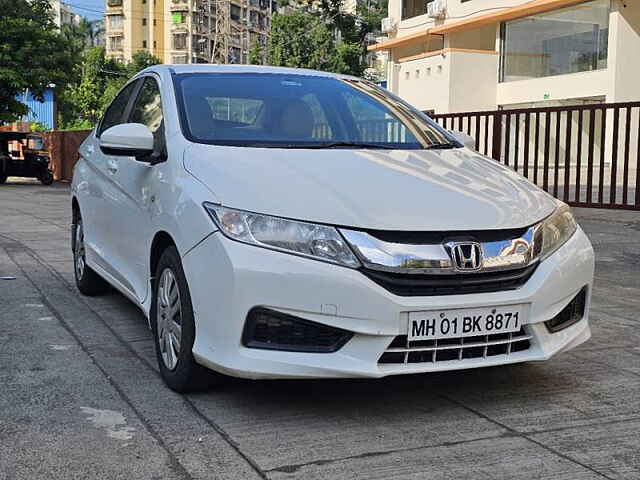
[(338, 145), (442, 146)]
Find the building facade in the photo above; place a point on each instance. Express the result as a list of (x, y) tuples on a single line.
[(63, 14), (471, 55), (185, 31)]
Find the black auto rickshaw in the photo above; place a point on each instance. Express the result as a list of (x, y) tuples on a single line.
[(30, 159)]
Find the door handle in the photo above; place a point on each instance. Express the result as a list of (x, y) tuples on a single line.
[(112, 166)]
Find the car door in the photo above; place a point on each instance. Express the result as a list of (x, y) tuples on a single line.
[(97, 205), (134, 181)]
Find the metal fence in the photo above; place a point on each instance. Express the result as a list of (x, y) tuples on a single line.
[(587, 155)]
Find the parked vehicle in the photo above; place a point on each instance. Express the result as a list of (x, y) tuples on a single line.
[(32, 161), (282, 223)]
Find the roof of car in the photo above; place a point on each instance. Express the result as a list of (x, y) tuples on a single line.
[(211, 68)]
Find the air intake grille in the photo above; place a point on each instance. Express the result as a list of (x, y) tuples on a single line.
[(459, 349), (270, 330)]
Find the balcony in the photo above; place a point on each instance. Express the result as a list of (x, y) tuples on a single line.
[(179, 6), (114, 7), (179, 28)]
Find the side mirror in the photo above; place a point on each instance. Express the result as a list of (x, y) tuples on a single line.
[(467, 140), (128, 140)]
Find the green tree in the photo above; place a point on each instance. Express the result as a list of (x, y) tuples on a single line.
[(301, 40), (320, 29), (83, 103), (33, 54), (256, 55)]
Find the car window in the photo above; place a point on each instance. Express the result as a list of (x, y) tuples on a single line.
[(321, 126), (374, 122), (238, 110), (148, 107), (296, 111), (115, 113)]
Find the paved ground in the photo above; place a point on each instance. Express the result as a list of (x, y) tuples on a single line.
[(80, 396)]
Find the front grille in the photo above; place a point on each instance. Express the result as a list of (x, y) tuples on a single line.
[(270, 330), (425, 238), (458, 349), (415, 285)]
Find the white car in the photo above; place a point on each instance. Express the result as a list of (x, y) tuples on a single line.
[(282, 223)]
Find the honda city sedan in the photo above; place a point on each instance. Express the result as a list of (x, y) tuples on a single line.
[(284, 223)]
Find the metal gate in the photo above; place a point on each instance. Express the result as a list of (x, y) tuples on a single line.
[(587, 155)]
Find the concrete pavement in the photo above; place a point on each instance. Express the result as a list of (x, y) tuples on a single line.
[(80, 395)]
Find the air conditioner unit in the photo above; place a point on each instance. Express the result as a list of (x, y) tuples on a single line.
[(388, 25), (437, 9)]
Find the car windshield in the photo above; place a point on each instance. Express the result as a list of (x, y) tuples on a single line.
[(299, 111)]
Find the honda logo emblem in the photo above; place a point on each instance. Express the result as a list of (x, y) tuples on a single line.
[(466, 256)]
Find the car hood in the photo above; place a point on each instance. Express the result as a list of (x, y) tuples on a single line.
[(410, 190)]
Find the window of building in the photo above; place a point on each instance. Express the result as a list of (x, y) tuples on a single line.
[(144, 44), (155, 22), (568, 40), (144, 22), (413, 8), (155, 44), (114, 3), (179, 41), (116, 22), (179, 59), (235, 55), (115, 43), (235, 12)]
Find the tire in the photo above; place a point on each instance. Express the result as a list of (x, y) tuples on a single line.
[(173, 327), (87, 280), (46, 178)]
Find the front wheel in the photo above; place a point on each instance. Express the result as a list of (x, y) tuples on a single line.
[(88, 281), (47, 178), (173, 327)]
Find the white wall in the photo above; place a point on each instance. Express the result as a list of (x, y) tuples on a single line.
[(430, 91), (624, 51), (452, 81), (574, 85), (474, 78)]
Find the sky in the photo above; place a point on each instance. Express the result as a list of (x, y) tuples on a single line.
[(92, 9)]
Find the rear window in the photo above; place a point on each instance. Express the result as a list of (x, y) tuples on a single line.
[(279, 110)]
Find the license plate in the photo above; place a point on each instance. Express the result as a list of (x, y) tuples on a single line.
[(468, 322)]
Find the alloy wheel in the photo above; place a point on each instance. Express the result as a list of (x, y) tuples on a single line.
[(169, 318), (80, 261)]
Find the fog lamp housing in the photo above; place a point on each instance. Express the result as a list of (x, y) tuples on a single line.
[(271, 330), (571, 314)]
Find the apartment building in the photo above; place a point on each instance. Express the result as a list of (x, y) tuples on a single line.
[(63, 14), (182, 31), (469, 55)]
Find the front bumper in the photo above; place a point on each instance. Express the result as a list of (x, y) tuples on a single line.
[(227, 279)]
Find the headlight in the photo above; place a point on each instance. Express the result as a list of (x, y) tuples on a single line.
[(556, 230), (301, 238)]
